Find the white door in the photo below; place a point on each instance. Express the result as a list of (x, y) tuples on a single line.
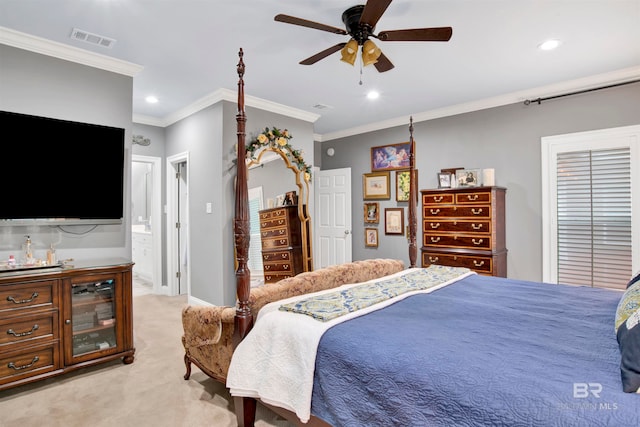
[(332, 221), (183, 227), (178, 224)]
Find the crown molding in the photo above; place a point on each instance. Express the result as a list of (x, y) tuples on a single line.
[(586, 83), (66, 52)]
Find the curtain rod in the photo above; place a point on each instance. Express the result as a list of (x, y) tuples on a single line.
[(539, 100)]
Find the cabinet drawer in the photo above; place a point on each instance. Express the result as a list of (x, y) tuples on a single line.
[(480, 241), (274, 232), (273, 222), (280, 266), (480, 211), (275, 243), (34, 328), (437, 199), (474, 197), (462, 226), (479, 263), (276, 256), (30, 362), (26, 295), (274, 214), (275, 277)]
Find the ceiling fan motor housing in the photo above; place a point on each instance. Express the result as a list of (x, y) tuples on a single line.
[(351, 18)]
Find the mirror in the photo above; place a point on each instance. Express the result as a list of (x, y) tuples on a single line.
[(272, 170)]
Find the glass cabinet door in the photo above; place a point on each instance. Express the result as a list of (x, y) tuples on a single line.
[(93, 316)]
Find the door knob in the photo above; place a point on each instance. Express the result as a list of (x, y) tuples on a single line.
[(346, 231)]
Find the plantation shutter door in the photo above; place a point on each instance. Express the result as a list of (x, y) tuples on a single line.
[(254, 263), (594, 217)]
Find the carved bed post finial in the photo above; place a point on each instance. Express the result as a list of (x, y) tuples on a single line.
[(243, 318), (413, 199)]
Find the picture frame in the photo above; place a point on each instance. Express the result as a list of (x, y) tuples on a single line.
[(390, 157), (372, 213), (376, 185), (371, 237), (444, 180), (403, 180), (394, 221), (468, 178)]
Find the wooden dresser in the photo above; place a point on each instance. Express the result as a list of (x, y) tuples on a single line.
[(55, 320), (465, 227), (281, 243)]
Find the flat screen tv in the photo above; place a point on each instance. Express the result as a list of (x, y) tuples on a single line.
[(60, 172)]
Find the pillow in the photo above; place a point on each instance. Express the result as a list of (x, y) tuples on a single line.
[(627, 328), (634, 279)]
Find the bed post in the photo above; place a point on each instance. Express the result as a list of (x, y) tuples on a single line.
[(244, 318), (413, 199)]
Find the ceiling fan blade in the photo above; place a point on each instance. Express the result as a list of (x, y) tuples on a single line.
[(373, 10), (383, 64), (438, 34), (321, 55), (309, 24)]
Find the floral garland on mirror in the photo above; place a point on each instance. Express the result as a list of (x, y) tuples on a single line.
[(279, 139)]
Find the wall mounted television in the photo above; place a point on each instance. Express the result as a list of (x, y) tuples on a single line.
[(62, 172)]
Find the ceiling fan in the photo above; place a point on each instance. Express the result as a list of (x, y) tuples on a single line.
[(360, 22)]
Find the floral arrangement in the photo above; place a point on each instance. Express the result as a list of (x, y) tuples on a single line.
[(279, 139)]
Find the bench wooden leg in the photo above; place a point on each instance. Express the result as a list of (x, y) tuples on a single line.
[(187, 363), (245, 411)]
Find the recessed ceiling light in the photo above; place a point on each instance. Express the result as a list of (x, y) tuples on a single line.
[(549, 44), (373, 95), (151, 99)]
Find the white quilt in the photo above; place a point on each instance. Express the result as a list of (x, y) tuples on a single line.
[(275, 362)]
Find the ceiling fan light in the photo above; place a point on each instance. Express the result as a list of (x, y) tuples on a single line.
[(370, 53), (349, 52)]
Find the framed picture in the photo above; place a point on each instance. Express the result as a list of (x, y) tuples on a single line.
[(376, 185), (371, 237), (444, 180), (403, 180), (467, 177), (390, 157), (394, 221), (372, 212)]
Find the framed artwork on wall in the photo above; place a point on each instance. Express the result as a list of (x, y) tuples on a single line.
[(372, 213), (403, 180), (371, 237), (390, 157), (376, 185), (394, 221)]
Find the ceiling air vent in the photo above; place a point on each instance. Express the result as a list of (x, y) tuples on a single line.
[(92, 38)]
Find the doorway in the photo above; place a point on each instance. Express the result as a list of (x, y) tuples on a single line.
[(178, 248), (147, 219)]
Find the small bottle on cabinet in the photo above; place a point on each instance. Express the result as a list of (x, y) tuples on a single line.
[(51, 256)]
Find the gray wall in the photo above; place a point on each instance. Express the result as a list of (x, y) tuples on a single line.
[(45, 86), (505, 138)]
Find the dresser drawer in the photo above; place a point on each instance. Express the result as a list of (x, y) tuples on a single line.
[(438, 199), (473, 197), (28, 329), (273, 222), (26, 295), (276, 277), (278, 266), (459, 226), (479, 263), (274, 232), (276, 256), (480, 211), (30, 362), (480, 241), (273, 214), (275, 243)]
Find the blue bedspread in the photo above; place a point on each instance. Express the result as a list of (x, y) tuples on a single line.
[(481, 352)]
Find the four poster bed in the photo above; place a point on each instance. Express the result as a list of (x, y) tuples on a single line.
[(435, 346)]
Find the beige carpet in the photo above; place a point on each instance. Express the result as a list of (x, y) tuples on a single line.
[(149, 392)]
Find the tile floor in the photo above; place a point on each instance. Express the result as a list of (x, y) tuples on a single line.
[(141, 286)]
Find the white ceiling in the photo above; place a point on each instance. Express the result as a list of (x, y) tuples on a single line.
[(189, 49)]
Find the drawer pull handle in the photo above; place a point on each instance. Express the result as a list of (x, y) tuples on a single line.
[(477, 242), (266, 257), (436, 225), (478, 212), (476, 226), (28, 365), (283, 241), (282, 231), (437, 199), (280, 222), (435, 239), (267, 267), (23, 334), (475, 197), (478, 264), (284, 256), (23, 301), (285, 266), (433, 260), (435, 211)]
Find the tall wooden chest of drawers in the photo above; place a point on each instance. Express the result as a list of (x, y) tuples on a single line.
[(281, 243), (465, 227)]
